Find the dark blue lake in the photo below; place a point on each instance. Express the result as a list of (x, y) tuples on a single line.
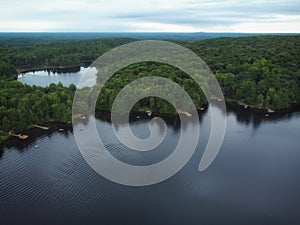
[(254, 179)]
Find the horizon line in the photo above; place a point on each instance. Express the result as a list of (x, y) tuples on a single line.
[(158, 32)]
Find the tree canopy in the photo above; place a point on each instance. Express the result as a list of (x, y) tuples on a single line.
[(261, 71)]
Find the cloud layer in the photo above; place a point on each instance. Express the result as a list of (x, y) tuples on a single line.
[(151, 16)]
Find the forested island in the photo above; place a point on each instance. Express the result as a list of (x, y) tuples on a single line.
[(260, 71)]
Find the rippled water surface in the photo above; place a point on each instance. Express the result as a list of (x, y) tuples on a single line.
[(254, 180)]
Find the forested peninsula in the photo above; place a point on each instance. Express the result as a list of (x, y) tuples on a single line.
[(261, 71)]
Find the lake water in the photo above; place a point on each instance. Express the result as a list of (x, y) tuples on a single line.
[(44, 78), (254, 179)]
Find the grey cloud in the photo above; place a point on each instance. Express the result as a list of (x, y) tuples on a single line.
[(206, 16), (193, 13), (290, 7)]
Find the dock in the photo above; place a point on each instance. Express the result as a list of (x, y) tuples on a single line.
[(21, 136), (184, 113), (41, 127)]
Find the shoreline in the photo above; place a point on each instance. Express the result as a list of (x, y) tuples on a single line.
[(260, 112), (58, 69), (31, 128), (238, 104)]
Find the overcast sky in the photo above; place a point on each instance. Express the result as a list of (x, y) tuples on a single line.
[(151, 15)]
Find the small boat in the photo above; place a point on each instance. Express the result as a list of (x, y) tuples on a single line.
[(137, 117), (219, 100), (60, 129), (267, 115), (36, 146), (246, 106), (271, 111), (83, 117), (202, 108), (149, 113)]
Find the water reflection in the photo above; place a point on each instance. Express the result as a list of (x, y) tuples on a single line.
[(249, 117), (173, 121), (35, 134), (256, 118)]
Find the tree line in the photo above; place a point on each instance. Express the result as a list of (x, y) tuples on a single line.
[(261, 71), (22, 106), (27, 53)]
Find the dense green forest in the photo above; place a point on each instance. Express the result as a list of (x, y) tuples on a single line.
[(18, 54), (22, 106), (135, 71), (261, 71)]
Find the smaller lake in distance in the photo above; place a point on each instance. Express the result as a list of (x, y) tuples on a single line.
[(44, 78)]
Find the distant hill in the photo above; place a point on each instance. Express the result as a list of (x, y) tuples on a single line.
[(138, 35)]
